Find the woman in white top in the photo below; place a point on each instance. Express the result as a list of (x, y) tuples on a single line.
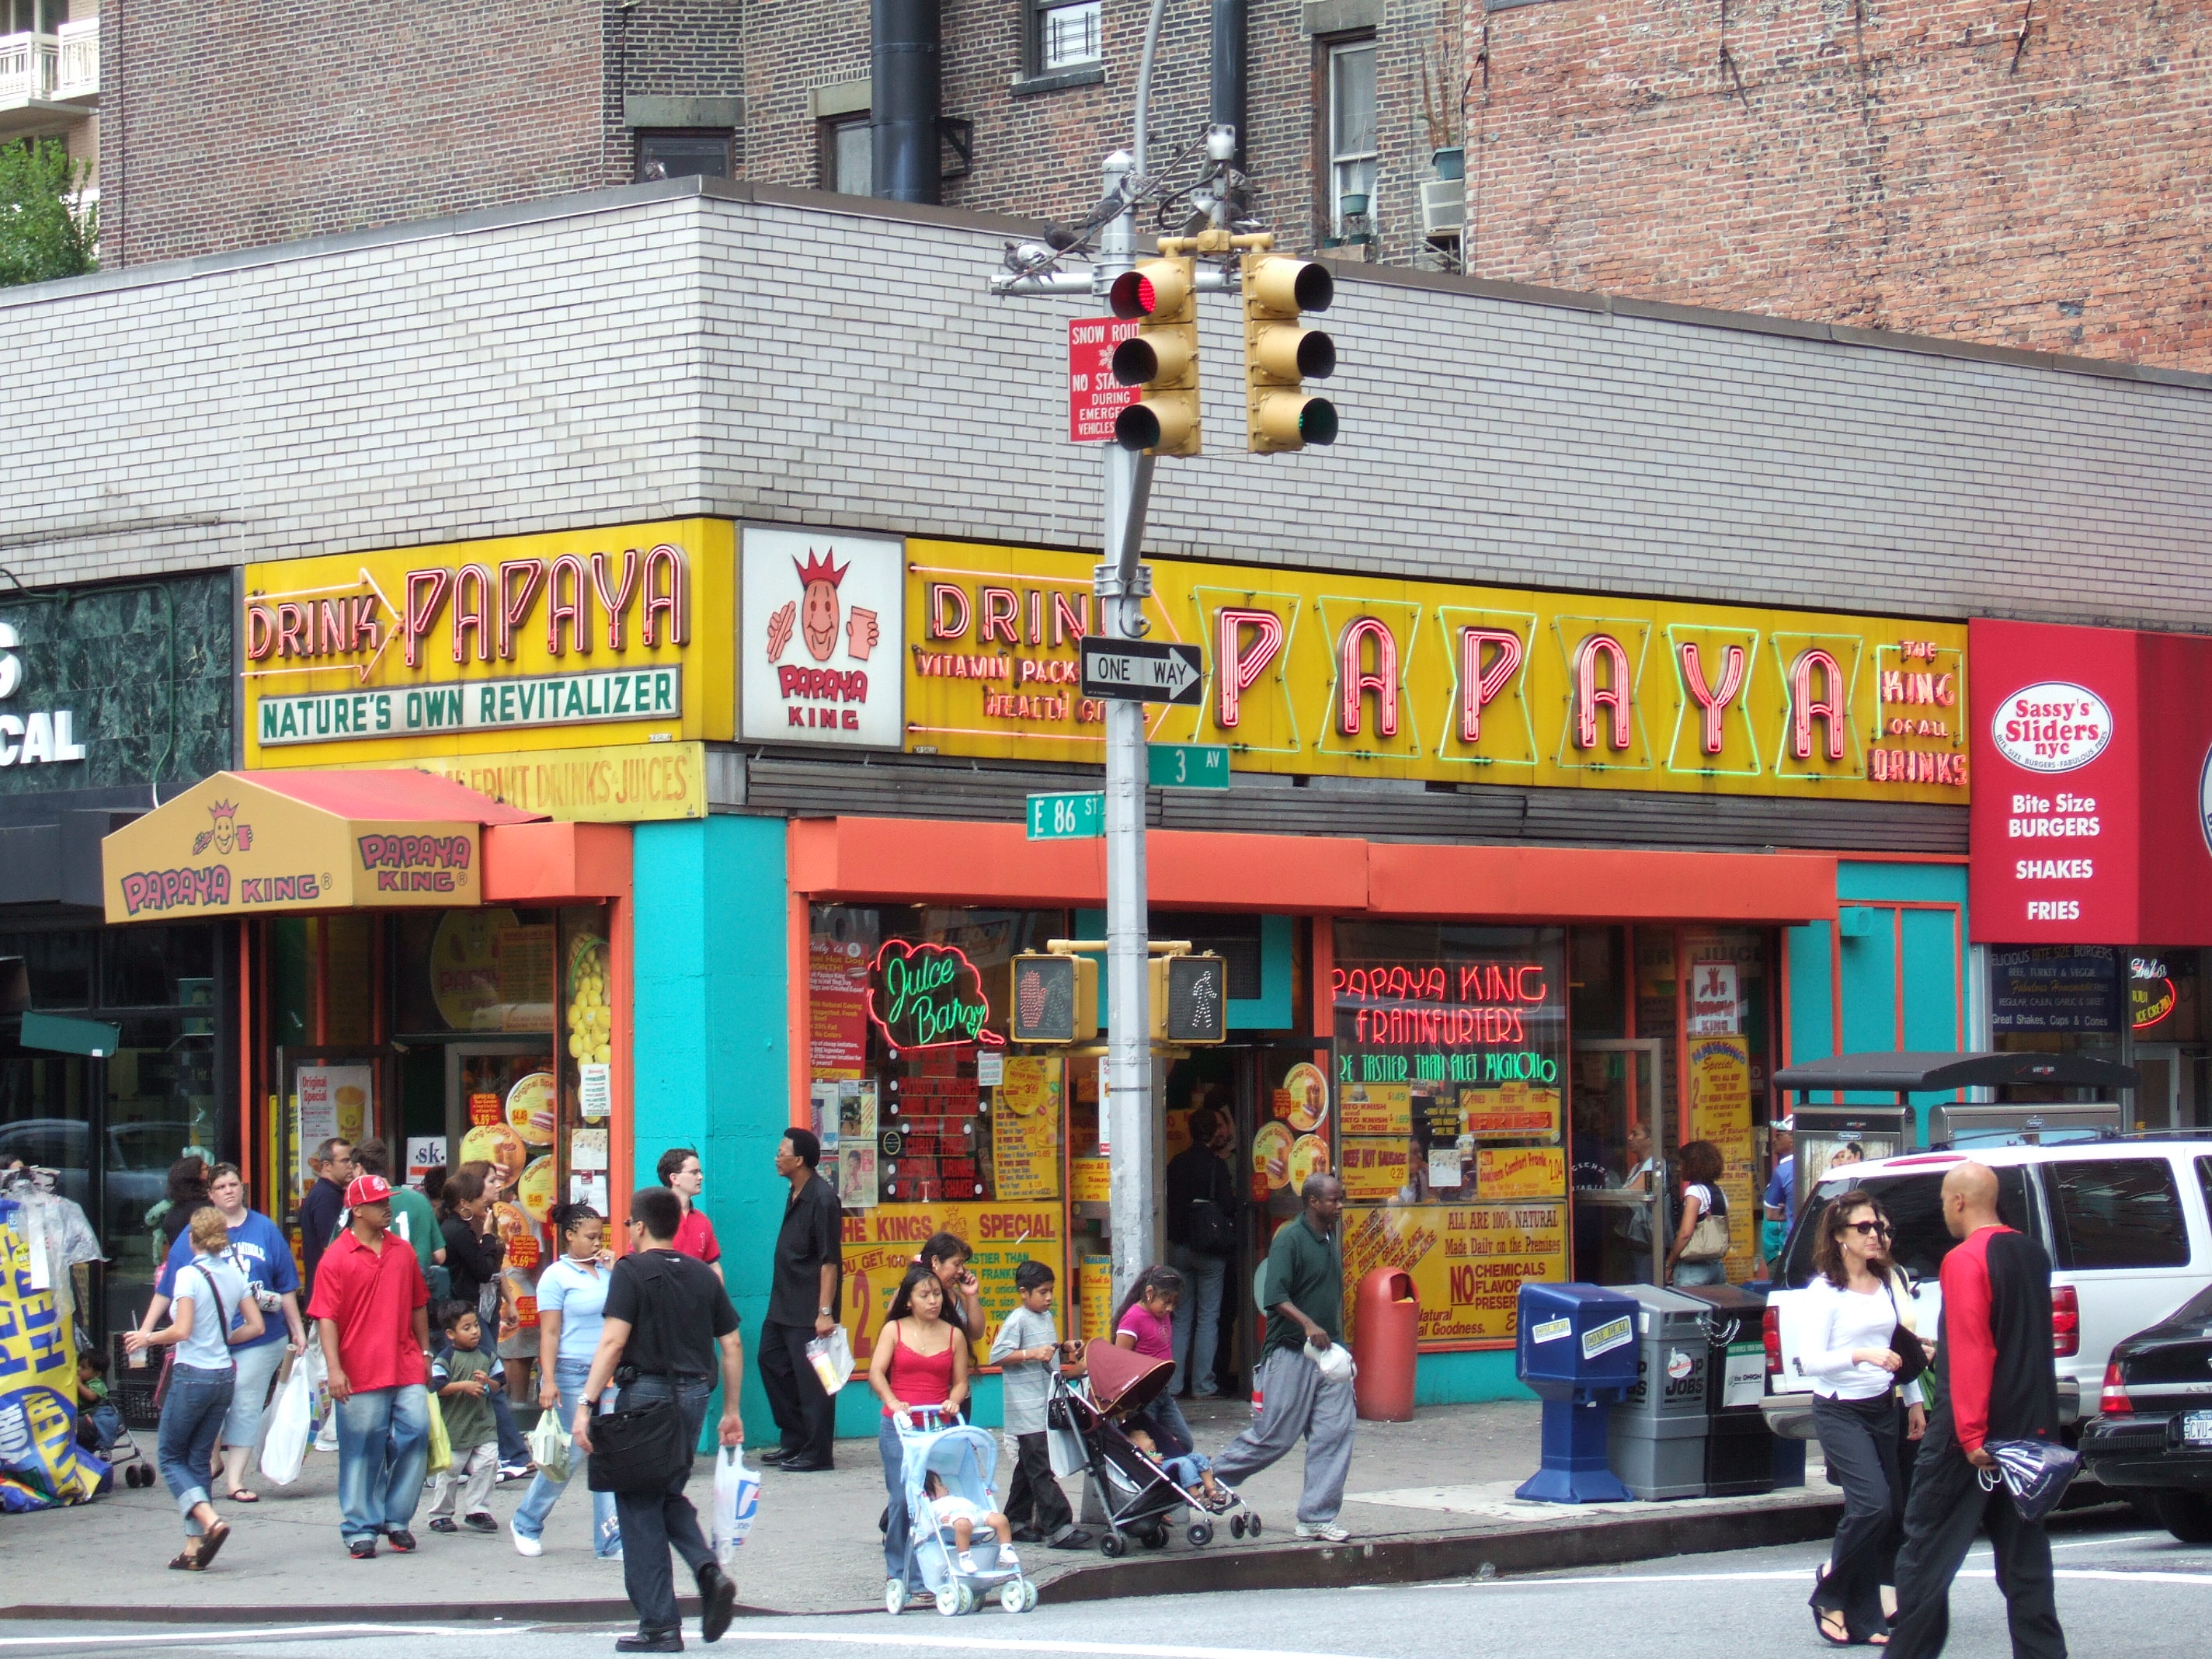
[(1849, 1313), (572, 1299)]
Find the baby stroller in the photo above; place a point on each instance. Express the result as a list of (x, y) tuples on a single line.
[(1137, 1496), (964, 1459)]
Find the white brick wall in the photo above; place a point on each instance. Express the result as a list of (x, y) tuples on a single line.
[(651, 352)]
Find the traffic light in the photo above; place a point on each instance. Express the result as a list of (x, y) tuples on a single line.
[(1280, 352), (1052, 998), (1190, 1000), (1160, 294)]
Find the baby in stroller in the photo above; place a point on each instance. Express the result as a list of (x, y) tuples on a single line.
[(964, 1515), (1141, 1496), (1193, 1470)]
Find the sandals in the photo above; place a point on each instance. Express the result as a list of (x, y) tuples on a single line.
[(210, 1541), (184, 1563), (1829, 1633), (240, 1495)]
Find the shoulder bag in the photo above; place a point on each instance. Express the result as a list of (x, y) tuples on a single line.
[(639, 1447), (1708, 1239), (1905, 1344), (1208, 1227)]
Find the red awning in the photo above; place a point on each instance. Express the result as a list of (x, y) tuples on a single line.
[(396, 793)]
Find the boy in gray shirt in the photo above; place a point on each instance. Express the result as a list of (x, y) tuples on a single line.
[(1027, 1347)]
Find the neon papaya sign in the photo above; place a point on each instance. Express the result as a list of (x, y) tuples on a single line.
[(926, 996)]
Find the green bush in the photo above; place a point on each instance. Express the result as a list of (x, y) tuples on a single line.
[(43, 234)]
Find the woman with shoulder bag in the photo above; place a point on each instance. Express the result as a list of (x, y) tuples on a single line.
[(209, 1295), (1857, 1350), (1699, 1254)]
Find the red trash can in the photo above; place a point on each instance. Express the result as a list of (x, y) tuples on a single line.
[(1386, 1329)]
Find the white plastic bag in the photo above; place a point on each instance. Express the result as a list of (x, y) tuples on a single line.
[(290, 1421), (831, 1356), (736, 1500), (549, 1446)]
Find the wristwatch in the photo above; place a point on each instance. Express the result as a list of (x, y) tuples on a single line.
[(822, 1313)]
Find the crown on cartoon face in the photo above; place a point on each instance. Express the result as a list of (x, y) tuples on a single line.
[(224, 809), (821, 570)]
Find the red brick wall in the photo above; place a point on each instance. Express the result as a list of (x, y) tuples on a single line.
[(230, 127), (1911, 164)]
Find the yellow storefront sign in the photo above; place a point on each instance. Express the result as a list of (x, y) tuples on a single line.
[(626, 783), (1720, 1111), (1467, 1261), (881, 1243), (1515, 1172), (1366, 676), (526, 642)]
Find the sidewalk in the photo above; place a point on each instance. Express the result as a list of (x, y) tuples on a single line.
[(1427, 1499)]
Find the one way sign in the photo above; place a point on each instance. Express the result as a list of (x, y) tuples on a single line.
[(1137, 671)]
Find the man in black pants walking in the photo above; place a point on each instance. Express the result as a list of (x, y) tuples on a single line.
[(803, 1304), (1993, 1358), (665, 1315)]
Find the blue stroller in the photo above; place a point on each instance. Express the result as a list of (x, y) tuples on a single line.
[(964, 1459)]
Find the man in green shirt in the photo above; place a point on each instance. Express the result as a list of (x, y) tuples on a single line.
[(1302, 1296), (412, 1218)]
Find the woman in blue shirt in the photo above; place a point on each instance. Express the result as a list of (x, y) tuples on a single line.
[(263, 1256), (572, 1299), (213, 1313)]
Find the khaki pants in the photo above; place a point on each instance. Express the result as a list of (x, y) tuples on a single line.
[(473, 1473)]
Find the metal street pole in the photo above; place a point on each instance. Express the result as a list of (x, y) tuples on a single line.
[(1120, 584)]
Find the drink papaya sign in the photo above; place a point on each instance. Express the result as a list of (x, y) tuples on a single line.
[(1357, 675), (518, 643), (230, 846)]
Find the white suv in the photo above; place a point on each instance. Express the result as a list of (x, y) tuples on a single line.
[(2127, 1224)]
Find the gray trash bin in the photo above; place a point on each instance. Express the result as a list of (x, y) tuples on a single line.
[(1657, 1433)]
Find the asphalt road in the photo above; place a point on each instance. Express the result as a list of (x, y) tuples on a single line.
[(2122, 1591)]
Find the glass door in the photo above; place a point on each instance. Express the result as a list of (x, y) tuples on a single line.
[(1619, 1161)]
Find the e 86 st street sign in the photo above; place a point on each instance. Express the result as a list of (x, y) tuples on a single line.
[(1139, 670)]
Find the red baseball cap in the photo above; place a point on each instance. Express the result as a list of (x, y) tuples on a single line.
[(367, 1189)]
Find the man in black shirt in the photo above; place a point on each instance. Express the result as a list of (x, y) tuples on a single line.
[(666, 1314), (319, 1210), (803, 1304), (1201, 1225)]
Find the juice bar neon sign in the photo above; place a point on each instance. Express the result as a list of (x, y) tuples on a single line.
[(925, 996)]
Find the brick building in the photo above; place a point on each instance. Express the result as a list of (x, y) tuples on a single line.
[(1982, 169)]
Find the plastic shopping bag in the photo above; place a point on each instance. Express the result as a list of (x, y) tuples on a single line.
[(832, 1357), (550, 1447), (441, 1448), (290, 1423), (737, 1501)]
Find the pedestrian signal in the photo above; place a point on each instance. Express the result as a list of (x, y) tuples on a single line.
[(1190, 1000), (1052, 998)]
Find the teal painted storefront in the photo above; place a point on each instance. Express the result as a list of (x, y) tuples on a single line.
[(712, 1032)]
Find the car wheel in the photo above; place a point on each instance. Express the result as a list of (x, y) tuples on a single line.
[(2186, 1515)]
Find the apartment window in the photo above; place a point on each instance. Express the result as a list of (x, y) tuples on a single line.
[(1068, 35), (685, 152), (847, 162), (1350, 127)]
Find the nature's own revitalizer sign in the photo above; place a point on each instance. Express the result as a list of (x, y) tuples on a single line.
[(487, 706)]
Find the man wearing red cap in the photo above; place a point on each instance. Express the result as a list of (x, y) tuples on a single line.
[(371, 1311)]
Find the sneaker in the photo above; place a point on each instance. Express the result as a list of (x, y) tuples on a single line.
[(401, 1541), (509, 1471), (443, 1524), (363, 1549), (523, 1546), (479, 1523), (1008, 1560), (1327, 1531), (966, 1562)]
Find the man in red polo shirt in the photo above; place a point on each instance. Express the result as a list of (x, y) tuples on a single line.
[(371, 1311), (680, 1173)]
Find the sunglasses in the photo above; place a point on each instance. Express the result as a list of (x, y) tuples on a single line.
[(1868, 1229)]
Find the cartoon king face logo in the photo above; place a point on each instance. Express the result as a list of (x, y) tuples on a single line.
[(228, 834), (815, 614)]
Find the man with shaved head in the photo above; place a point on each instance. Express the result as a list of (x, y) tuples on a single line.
[(1993, 1356)]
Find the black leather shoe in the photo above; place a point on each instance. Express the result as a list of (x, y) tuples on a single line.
[(718, 1600), (651, 1641), (773, 1460), (797, 1465)]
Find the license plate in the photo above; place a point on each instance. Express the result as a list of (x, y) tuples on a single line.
[(2196, 1428)]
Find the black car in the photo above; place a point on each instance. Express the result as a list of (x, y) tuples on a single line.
[(2152, 1435)]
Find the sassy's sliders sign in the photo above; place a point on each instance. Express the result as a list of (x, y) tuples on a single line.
[(230, 845)]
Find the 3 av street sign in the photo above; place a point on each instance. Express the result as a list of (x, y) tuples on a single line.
[(1137, 670), (1068, 818), (1187, 765)]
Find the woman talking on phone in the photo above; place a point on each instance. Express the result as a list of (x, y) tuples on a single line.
[(1853, 1314), (946, 1255)]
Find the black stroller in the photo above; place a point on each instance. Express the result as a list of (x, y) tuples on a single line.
[(1137, 1496)]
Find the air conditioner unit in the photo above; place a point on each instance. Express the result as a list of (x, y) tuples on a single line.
[(1443, 207)]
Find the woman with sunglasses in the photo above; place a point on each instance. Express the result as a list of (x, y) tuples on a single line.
[(1851, 1310)]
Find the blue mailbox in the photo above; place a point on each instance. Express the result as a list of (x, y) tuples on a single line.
[(1576, 1352)]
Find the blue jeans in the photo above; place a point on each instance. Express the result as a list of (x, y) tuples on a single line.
[(899, 1524), (192, 1408), (1701, 1273), (569, 1375), (1199, 1304), (257, 1369), (654, 1522), (384, 1448)]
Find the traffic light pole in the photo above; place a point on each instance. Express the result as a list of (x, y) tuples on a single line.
[(1120, 585)]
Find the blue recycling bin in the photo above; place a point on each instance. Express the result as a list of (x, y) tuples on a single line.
[(1576, 1352)]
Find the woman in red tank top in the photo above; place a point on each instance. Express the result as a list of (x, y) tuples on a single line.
[(919, 1363)]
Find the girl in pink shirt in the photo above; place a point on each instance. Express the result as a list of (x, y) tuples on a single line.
[(1145, 1322)]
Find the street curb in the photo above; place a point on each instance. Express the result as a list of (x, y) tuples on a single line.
[(1502, 1553), (1507, 1551)]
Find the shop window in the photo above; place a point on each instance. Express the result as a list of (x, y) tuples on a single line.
[(847, 162), (2118, 1212), (1234, 939), (1350, 150), (685, 153), (1597, 981), (2055, 998), (156, 967), (482, 970), (1068, 34), (58, 965)]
